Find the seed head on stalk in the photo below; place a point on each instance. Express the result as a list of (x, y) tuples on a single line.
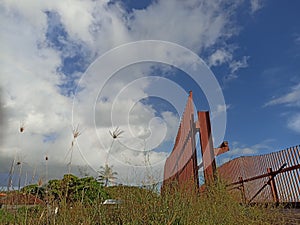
[(20, 163), (76, 134), (116, 133), (22, 127)]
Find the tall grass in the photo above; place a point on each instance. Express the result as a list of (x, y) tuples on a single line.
[(142, 206), (138, 205)]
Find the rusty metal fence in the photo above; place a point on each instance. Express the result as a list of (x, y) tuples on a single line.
[(273, 177)]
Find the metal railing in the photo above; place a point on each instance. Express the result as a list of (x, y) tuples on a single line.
[(273, 177)]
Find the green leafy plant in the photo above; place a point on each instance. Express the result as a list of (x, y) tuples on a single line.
[(106, 175)]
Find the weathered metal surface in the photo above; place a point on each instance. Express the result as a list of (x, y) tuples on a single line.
[(253, 173), (259, 178), (273, 186), (181, 166), (221, 149), (207, 149)]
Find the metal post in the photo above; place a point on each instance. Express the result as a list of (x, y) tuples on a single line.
[(207, 150), (194, 154), (242, 188), (273, 186)]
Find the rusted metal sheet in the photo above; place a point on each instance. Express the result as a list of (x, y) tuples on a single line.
[(181, 166), (273, 187), (254, 171), (207, 149), (221, 149)]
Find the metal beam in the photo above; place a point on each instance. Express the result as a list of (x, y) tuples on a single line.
[(207, 150)]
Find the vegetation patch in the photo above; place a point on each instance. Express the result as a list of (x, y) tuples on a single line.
[(74, 200)]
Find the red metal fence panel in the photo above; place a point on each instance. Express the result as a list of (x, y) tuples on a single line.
[(253, 172)]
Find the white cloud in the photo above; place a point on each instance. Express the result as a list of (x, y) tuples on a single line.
[(235, 66), (31, 72), (220, 109), (239, 64), (290, 99), (294, 123), (237, 149), (196, 24), (220, 57), (256, 5)]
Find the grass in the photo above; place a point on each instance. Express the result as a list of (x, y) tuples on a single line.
[(142, 206)]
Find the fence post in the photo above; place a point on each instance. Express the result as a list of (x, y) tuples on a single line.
[(207, 149), (273, 186), (242, 188)]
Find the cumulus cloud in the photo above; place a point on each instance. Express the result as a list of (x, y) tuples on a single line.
[(46, 47), (203, 24)]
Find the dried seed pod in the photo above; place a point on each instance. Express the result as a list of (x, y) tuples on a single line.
[(76, 132), (116, 133), (22, 127), (40, 182)]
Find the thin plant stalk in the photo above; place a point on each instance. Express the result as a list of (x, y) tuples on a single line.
[(33, 175), (11, 172), (46, 158), (26, 179), (76, 133), (20, 164), (114, 134), (107, 154)]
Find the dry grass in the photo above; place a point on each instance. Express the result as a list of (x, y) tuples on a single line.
[(141, 206)]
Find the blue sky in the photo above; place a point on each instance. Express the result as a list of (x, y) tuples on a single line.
[(251, 46), (271, 40)]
